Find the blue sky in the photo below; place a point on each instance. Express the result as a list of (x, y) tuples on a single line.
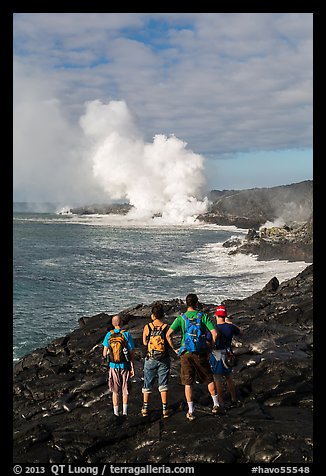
[(236, 87)]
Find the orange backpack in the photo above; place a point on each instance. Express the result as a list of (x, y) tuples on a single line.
[(156, 345), (118, 350)]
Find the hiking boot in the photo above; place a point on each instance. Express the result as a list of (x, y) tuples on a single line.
[(144, 411), (190, 416), (167, 413), (217, 410)]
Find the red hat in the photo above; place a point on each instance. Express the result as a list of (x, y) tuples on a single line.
[(220, 311)]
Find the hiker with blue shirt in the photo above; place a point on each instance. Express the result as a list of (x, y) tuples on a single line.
[(193, 351), (225, 330), (118, 347)]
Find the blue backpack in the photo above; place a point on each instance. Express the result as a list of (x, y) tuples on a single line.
[(195, 338)]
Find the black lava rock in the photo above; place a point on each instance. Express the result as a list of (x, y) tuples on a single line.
[(63, 409)]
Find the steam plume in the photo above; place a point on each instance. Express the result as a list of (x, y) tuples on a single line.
[(159, 178)]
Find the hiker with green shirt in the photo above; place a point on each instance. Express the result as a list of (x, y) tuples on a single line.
[(193, 351)]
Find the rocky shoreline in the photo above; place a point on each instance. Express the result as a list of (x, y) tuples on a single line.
[(253, 209), (283, 243), (63, 410)]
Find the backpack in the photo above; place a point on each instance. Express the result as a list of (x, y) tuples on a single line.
[(118, 350), (229, 359), (195, 338), (156, 346)]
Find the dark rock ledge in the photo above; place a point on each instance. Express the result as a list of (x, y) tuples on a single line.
[(293, 243), (63, 411)]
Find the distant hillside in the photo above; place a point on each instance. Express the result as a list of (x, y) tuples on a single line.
[(252, 208)]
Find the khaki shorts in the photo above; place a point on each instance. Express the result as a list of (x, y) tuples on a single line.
[(195, 367), (118, 380)]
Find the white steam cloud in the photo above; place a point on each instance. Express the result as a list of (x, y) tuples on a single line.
[(161, 178)]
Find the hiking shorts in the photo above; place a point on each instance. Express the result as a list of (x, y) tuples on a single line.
[(156, 369), (118, 380), (216, 364), (195, 367)]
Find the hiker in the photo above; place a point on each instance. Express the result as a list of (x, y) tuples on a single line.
[(157, 360), (193, 351), (118, 347), (225, 330)]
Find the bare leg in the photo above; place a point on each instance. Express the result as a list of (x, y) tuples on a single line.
[(146, 396), (231, 388), (164, 396), (219, 389), (115, 402), (211, 388), (188, 393), (125, 398), (115, 399)]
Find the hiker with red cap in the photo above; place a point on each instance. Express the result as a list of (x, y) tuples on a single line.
[(223, 344)]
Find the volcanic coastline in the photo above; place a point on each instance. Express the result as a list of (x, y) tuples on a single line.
[(62, 406), (63, 409)]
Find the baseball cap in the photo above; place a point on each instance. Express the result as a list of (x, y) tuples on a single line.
[(221, 311)]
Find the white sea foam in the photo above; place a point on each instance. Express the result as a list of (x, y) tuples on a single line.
[(220, 275), (127, 221)]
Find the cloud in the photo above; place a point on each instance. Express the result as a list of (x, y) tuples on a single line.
[(224, 82), (49, 159)]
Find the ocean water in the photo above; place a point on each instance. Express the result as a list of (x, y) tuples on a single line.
[(66, 267)]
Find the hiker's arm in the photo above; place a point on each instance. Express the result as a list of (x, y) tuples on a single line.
[(105, 351), (145, 335), (209, 340), (214, 336), (169, 338), (132, 358)]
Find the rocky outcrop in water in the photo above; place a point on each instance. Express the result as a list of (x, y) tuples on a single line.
[(284, 243), (63, 410), (114, 208)]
